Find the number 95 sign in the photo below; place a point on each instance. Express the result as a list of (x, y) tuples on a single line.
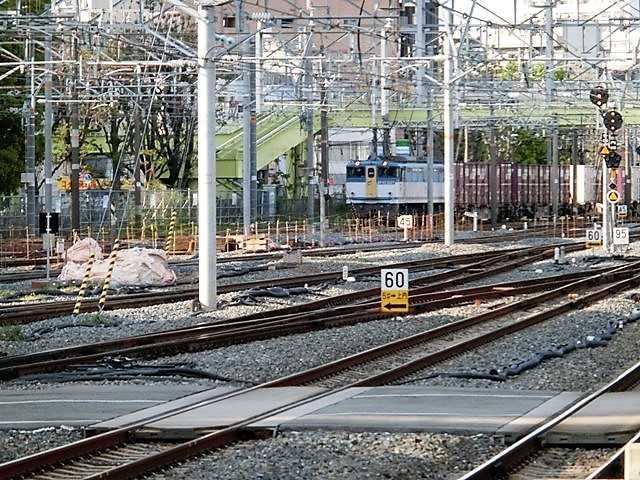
[(621, 236)]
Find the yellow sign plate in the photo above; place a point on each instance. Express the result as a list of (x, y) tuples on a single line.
[(605, 150), (394, 301)]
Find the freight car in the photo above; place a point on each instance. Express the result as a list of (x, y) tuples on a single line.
[(398, 184)]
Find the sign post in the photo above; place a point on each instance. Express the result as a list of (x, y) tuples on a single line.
[(394, 290), (406, 222), (49, 227)]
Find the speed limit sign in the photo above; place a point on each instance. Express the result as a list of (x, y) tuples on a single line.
[(405, 221), (394, 290), (593, 237), (621, 236)]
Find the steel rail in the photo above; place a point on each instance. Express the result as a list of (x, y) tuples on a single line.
[(238, 430), (17, 314), (261, 326), (499, 465)]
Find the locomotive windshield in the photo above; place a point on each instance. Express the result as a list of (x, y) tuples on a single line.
[(393, 172), (355, 172)]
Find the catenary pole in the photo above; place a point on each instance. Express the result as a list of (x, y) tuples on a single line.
[(448, 142), (206, 159)]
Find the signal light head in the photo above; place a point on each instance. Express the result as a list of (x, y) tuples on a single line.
[(612, 120), (598, 96), (613, 160)]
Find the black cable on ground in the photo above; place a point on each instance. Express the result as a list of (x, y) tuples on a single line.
[(123, 368), (45, 292), (254, 296), (503, 373), (238, 271)]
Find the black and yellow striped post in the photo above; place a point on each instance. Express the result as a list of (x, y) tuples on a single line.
[(154, 235), (83, 285), (171, 236), (107, 278), (143, 229)]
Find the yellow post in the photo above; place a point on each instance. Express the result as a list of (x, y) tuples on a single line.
[(107, 278), (170, 241), (142, 229), (83, 285)]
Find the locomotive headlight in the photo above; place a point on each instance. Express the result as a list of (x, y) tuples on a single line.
[(385, 163), (357, 163)]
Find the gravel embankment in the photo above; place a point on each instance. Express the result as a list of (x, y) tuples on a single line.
[(295, 455)]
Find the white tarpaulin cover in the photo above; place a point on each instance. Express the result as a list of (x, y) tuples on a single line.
[(133, 266), (80, 251)]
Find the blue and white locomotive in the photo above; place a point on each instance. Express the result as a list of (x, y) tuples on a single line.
[(393, 184)]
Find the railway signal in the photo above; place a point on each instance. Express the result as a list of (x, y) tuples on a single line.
[(613, 159), (612, 120), (599, 96)]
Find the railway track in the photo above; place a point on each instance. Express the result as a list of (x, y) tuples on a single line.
[(427, 292), (528, 458), (21, 314), (409, 352), (29, 312), (81, 457), (38, 273)]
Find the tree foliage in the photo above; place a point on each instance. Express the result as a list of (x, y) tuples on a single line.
[(529, 148), (170, 135), (11, 153), (13, 94)]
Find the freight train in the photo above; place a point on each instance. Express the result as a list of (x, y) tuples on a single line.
[(399, 184)]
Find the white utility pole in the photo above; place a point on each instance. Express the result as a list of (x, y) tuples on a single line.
[(384, 107), (449, 193), (419, 47), (206, 158)]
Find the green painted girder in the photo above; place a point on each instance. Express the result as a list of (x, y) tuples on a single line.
[(564, 116), (277, 133)]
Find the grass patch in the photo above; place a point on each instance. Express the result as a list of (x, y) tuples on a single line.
[(35, 296), (12, 333)]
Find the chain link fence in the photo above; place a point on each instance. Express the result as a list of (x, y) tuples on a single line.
[(112, 214)]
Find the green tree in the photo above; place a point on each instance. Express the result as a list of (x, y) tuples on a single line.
[(529, 148), (511, 71), (13, 93), (11, 153)]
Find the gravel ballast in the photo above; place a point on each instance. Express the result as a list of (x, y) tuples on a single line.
[(300, 455)]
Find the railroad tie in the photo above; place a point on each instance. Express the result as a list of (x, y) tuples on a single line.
[(83, 285)]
